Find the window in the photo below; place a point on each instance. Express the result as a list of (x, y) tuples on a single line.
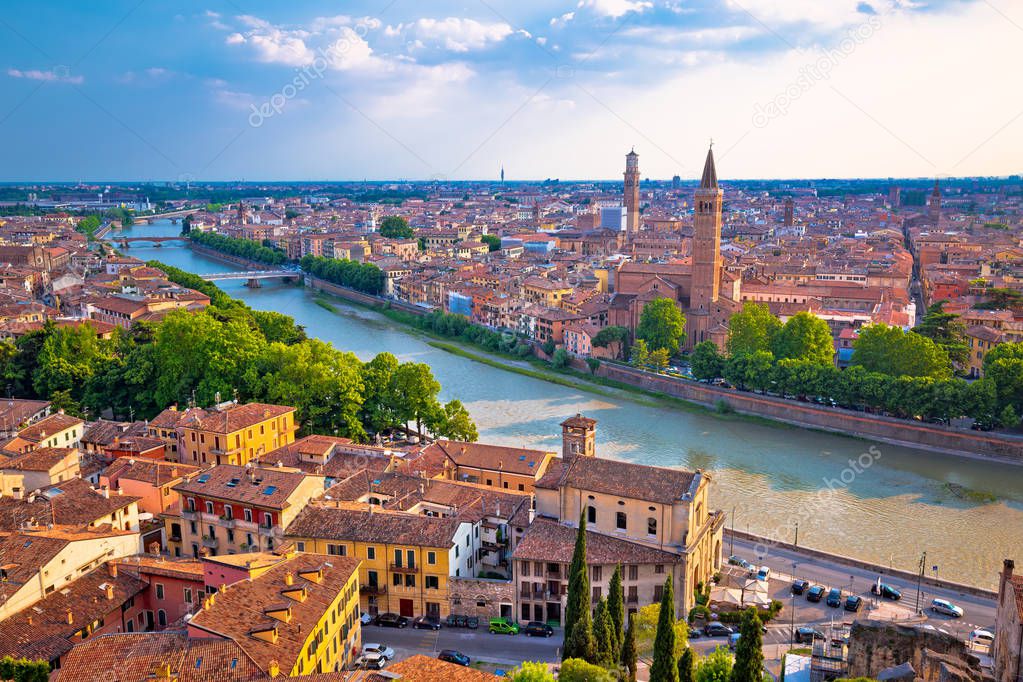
[(161, 618), (247, 515), (397, 558), (410, 580), (596, 593), (659, 569), (658, 592), (651, 526), (371, 553), (301, 546), (432, 582), (410, 556), (228, 512), (431, 558), (159, 591), (597, 573), (633, 572), (591, 514), (396, 579), (188, 595), (620, 520)]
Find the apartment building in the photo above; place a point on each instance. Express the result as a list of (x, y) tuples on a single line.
[(230, 433), (494, 466)]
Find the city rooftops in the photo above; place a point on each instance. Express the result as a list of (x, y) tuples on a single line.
[(623, 479)]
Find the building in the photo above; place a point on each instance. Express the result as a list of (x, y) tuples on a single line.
[(420, 668), (151, 481), (300, 617), (233, 434), (406, 559), (578, 436), (230, 509), (55, 431), (494, 466), (631, 194), (71, 503), (37, 469), (1008, 647), (174, 587)]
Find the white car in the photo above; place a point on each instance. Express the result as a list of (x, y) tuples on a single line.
[(366, 619), (370, 662), (381, 649), (946, 608)]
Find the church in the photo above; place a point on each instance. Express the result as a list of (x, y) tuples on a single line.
[(705, 293)]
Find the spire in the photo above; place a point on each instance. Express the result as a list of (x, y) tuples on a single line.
[(710, 173), (936, 192)]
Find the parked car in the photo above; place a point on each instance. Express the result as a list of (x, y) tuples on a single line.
[(982, 637), (947, 608), (733, 640), (834, 599), (368, 619), (373, 648), (499, 626), (535, 628), (453, 621), (370, 662), (886, 591), (739, 561), (392, 620), (799, 586), (472, 622), (716, 629), (806, 635), (452, 656), (763, 573), (853, 603), (815, 593), (426, 623)]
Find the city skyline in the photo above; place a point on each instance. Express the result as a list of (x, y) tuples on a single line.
[(375, 92)]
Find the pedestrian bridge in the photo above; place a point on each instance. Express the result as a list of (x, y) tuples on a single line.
[(253, 277)]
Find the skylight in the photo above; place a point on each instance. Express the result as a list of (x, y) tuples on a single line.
[(270, 490)]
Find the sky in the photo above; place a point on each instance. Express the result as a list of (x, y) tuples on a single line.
[(156, 90)]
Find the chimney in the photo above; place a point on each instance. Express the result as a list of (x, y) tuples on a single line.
[(70, 617), (289, 578), (106, 492), (112, 569), (110, 592), (1008, 566), (274, 669)]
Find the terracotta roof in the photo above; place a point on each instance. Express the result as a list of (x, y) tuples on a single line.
[(1016, 582), (263, 487), (103, 431), (548, 540), (71, 503), (493, 457), (238, 611), (420, 668), (135, 658), (233, 417), (579, 421), (40, 459), (330, 523), (624, 479), (47, 426), (153, 472)]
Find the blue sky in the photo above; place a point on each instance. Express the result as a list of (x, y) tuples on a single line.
[(389, 89)]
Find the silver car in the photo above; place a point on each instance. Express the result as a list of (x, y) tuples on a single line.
[(946, 608)]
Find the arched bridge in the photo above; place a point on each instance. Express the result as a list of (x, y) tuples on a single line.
[(125, 242), (253, 277)]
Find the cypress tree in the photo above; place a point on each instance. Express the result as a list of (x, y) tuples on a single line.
[(605, 652), (616, 609), (665, 666), (687, 666), (629, 654), (578, 625), (749, 652)]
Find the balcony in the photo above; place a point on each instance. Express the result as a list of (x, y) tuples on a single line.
[(226, 522), (373, 589), (189, 515), (399, 568), (210, 542), (271, 532)]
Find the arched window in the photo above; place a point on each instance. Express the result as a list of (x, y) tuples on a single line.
[(651, 526), (161, 618), (591, 514)]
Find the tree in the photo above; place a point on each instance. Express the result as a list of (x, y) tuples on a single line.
[(751, 329), (454, 422), (640, 353), (947, 330), (715, 666), (804, 337), (614, 337), (414, 382), (629, 652), (1008, 418), (395, 227), (578, 670), (578, 630), (705, 361), (23, 670), (665, 665), (593, 364), (662, 325), (492, 241), (749, 651), (560, 359), (751, 370), (658, 359), (1003, 365), (891, 351), (687, 666), (646, 622), (605, 652), (531, 671), (616, 609)]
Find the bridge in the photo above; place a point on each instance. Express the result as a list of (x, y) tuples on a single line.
[(125, 242), (253, 277), (173, 215)]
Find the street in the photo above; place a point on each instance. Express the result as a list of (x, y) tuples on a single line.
[(476, 644)]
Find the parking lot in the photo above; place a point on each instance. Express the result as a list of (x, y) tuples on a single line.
[(478, 645)]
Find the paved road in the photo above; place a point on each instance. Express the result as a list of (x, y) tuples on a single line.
[(979, 612), (476, 644)]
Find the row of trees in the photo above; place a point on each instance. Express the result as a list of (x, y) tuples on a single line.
[(88, 226), (228, 350), (243, 248), (459, 327), (364, 277)]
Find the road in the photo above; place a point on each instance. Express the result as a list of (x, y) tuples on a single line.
[(979, 612), (476, 644)]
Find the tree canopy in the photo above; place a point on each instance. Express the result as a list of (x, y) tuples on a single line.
[(891, 351), (243, 248), (947, 330), (751, 329), (395, 227), (661, 325), (804, 337)]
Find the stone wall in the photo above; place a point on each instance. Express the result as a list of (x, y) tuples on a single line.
[(935, 656), (481, 597), (317, 284)]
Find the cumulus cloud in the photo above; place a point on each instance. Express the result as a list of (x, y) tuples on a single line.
[(455, 34), (57, 75), (615, 8)]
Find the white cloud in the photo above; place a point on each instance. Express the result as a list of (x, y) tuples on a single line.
[(57, 75), (615, 8), (563, 19), (460, 35)]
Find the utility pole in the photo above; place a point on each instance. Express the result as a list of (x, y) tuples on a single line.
[(792, 609), (920, 579), (796, 543), (731, 536)]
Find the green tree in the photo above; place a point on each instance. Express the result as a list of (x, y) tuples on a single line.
[(715, 666), (665, 664), (658, 359), (891, 351), (23, 670), (278, 326), (804, 337), (1008, 418), (593, 364), (381, 403), (614, 337), (454, 422), (749, 651), (560, 359), (1003, 365), (629, 651), (947, 330), (646, 621), (68, 359), (662, 325), (616, 609), (751, 370), (604, 650), (705, 361), (578, 670), (640, 353), (531, 671), (415, 383), (687, 666), (751, 329), (492, 241), (395, 227), (578, 628)]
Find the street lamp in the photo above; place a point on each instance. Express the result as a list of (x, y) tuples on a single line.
[(796, 543), (792, 608)]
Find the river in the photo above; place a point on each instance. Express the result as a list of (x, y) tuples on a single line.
[(874, 501)]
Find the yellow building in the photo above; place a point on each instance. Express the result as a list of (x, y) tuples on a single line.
[(300, 617), (545, 292), (406, 559), (234, 434), (55, 431), (493, 466)]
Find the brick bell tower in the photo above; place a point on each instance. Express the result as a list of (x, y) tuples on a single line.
[(706, 238), (578, 436), (631, 197)]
